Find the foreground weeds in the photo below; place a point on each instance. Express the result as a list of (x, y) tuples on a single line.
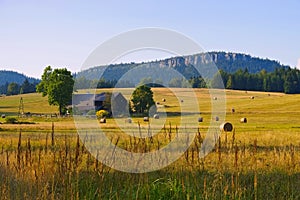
[(59, 167)]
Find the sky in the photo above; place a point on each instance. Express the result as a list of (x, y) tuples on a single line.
[(35, 34)]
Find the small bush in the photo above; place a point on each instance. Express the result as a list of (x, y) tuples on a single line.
[(102, 114), (11, 120), (91, 112)]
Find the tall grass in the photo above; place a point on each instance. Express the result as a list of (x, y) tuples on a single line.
[(64, 169)]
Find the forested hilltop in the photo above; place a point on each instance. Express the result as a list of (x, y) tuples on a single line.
[(238, 71), (185, 65)]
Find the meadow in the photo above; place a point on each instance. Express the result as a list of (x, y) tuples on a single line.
[(260, 159)]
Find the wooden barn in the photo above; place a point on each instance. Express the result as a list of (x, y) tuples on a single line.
[(115, 102)]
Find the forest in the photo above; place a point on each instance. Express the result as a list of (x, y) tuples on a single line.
[(286, 80), (14, 88)]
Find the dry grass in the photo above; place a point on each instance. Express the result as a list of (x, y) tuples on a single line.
[(259, 160)]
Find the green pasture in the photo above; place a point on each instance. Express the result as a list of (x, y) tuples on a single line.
[(267, 113), (272, 114)]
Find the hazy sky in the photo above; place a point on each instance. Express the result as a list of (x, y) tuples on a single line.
[(35, 34)]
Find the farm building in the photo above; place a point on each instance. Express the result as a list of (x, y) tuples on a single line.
[(111, 102), (119, 105)]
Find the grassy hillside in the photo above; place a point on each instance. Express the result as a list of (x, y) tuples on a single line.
[(33, 103)]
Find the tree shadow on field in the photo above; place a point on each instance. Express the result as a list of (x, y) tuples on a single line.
[(174, 114), (3, 107), (8, 113)]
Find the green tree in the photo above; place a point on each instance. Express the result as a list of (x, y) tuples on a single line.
[(42, 86), (288, 86), (3, 88), (13, 89), (266, 83), (142, 100), (291, 82), (58, 85), (217, 81), (27, 87), (197, 82), (240, 82), (229, 84)]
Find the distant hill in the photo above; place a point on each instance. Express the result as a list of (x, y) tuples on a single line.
[(186, 66), (11, 76)]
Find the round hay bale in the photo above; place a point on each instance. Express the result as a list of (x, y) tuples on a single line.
[(157, 103), (102, 120), (181, 100), (243, 120), (226, 126), (156, 116), (217, 118), (215, 98), (146, 119), (163, 100), (3, 116), (252, 97), (128, 120), (200, 119)]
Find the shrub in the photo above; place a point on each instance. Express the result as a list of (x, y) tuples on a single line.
[(101, 114), (11, 120), (91, 112)]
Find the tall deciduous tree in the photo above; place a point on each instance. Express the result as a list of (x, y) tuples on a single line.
[(58, 85), (142, 99)]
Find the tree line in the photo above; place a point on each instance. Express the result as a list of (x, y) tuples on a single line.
[(14, 88), (282, 79), (285, 80), (84, 83)]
